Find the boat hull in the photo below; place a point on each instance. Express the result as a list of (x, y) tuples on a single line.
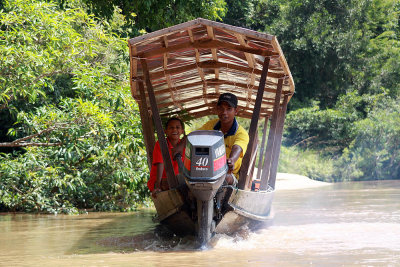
[(241, 208), (246, 208), (173, 211)]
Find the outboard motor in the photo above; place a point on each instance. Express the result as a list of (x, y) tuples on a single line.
[(205, 169)]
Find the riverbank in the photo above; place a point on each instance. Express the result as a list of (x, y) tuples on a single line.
[(290, 181)]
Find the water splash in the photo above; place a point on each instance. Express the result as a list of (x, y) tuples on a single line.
[(320, 238)]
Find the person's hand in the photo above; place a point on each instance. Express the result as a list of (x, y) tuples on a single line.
[(155, 192), (179, 147), (174, 151), (233, 157), (231, 164), (229, 179)]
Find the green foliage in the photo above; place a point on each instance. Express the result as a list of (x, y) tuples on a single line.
[(40, 47), (100, 163), (375, 151), (320, 40), (151, 15), (240, 12), (329, 129), (64, 87), (65, 75), (381, 71), (328, 44), (344, 56)]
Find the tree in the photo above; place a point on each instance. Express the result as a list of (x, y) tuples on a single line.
[(375, 151), (239, 12), (64, 87), (344, 56), (52, 55), (329, 130), (381, 71), (151, 15), (325, 42)]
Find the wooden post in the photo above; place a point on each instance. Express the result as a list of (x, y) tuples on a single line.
[(147, 126), (277, 146), (271, 138), (250, 171), (260, 159), (169, 169), (243, 177)]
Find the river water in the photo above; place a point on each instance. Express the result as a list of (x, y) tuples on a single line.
[(344, 224)]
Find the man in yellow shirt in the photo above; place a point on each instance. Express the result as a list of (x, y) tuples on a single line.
[(235, 136)]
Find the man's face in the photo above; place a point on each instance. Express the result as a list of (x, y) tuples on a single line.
[(226, 113)]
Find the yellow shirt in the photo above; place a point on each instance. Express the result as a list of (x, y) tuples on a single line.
[(237, 135)]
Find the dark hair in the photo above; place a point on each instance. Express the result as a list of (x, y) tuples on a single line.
[(175, 119)]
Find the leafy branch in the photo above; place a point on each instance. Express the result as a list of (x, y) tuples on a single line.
[(21, 141)]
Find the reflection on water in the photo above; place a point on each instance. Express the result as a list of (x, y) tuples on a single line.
[(344, 224)]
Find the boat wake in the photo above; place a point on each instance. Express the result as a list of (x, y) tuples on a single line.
[(169, 242)]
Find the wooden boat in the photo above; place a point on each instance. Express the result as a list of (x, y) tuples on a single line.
[(182, 70)]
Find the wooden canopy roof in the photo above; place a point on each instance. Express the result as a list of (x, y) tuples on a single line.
[(189, 65)]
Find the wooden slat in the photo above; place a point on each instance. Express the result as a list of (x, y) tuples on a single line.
[(199, 23), (197, 55), (164, 102), (199, 69), (261, 156), (202, 113), (249, 114), (277, 146), (244, 179), (133, 68), (219, 82), (205, 44), (210, 64), (147, 126), (271, 139), (283, 64), (168, 77), (251, 62), (210, 32), (178, 35), (246, 115), (250, 170), (169, 169)]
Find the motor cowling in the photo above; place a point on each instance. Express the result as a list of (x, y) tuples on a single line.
[(205, 165)]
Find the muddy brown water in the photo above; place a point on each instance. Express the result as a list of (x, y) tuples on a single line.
[(346, 224)]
